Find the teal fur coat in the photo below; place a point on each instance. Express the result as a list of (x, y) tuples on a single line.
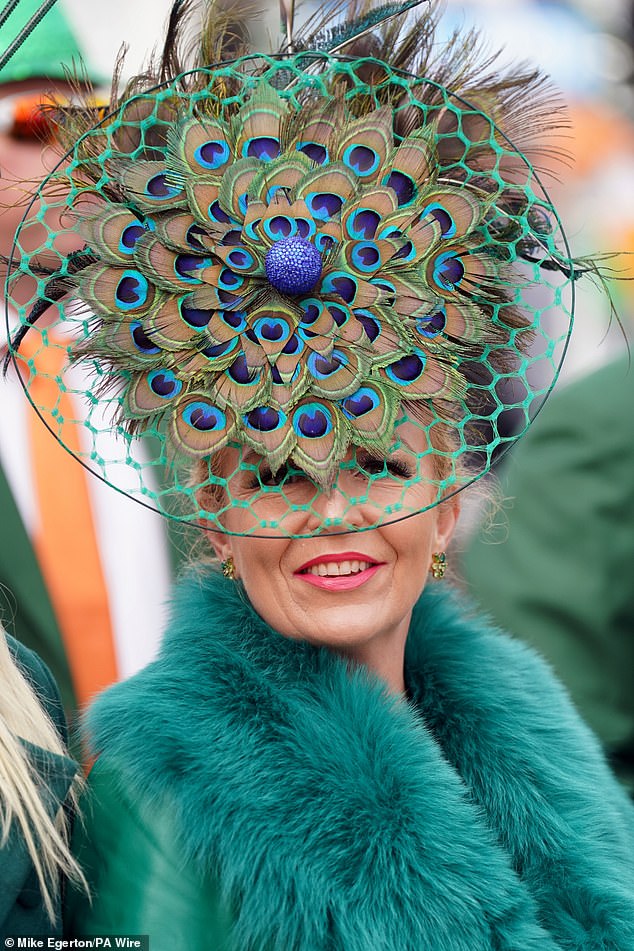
[(254, 793)]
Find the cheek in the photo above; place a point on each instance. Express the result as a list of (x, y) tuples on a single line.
[(258, 563)]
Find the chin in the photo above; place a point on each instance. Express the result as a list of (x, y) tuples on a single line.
[(339, 628)]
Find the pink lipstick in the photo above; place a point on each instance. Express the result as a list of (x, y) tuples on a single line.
[(340, 571)]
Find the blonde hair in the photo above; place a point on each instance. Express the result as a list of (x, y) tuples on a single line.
[(22, 791)]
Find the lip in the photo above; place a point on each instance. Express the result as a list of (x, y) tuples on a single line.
[(333, 557), (336, 582)]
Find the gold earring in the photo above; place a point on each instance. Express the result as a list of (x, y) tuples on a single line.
[(438, 565), (229, 569)]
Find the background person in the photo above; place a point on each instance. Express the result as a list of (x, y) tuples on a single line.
[(37, 796), (64, 570)]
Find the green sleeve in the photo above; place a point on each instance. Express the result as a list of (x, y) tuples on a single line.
[(560, 573), (25, 606), (139, 879)]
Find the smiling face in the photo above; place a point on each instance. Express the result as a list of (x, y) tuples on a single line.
[(353, 592)]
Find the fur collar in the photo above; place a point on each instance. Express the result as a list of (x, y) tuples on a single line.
[(477, 816)]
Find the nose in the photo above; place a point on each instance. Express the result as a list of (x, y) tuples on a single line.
[(335, 511)]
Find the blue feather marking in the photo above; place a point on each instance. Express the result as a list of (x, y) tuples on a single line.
[(159, 188), (315, 151), (322, 367), (129, 237), (405, 254), (312, 308), (204, 416), (280, 227), (220, 349), (363, 223), (236, 319), (215, 212), (443, 217), (232, 237), (340, 283), (272, 328), (229, 281), (448, 270), (366, 256), (313, 421), (403, 185), (263, 147), (132, 290), (339, 313), (294, 346), (141, 340), (240, 259), (363, 401), (325, 242), (265, 419), (361, 159), (164, 383), (186, 265), (323, 205), (370, 323), (408, 369), (249, 229), (212, 154), (432, 325), (306, 227), (242, 374)]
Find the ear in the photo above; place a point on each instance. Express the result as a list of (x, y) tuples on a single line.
[(221, 544), (447, 513)]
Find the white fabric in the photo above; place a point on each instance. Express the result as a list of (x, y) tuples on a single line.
[(132, 539)]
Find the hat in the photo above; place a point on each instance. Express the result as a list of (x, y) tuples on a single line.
[(50, 50), (330, 269)]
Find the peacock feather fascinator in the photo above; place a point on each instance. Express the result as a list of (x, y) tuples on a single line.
[(274, 275)]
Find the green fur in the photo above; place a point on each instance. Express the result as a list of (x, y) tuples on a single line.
[(479, 816)]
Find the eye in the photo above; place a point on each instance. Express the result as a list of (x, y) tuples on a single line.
[(282, 477), (370, 467), (392, 467)]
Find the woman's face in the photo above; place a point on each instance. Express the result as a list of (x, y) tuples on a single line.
[(344, 591)]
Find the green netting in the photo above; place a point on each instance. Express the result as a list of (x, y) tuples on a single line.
[(289, 299)]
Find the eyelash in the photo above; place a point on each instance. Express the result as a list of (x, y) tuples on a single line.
[(366, 467), (397, 468), (264, 477)]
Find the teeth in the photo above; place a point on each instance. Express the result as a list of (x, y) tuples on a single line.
[(334, 569)]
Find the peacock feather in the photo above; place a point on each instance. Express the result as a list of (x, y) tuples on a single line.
[(288, 271), (293, 253)]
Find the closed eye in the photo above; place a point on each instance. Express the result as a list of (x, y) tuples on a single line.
[(285, 475), (393, 466)]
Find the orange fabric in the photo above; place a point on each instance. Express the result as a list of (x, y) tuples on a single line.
[(65, 544)]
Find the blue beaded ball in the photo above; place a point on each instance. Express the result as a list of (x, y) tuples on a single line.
[(293, 266)]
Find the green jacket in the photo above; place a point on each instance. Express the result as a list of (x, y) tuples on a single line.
[(559, 571), (22, 910), (25, 607), (255, 793)]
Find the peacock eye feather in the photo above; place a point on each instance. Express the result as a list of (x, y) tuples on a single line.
[(294, 261)]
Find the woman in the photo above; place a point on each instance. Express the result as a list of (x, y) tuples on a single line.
[(37, 796), (323, 285)]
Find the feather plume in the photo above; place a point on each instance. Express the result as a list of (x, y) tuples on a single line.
[(287, 252)]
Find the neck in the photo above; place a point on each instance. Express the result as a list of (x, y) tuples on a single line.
[(384, 655)]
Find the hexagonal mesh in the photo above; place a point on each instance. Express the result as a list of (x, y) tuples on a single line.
[(292, 300)]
